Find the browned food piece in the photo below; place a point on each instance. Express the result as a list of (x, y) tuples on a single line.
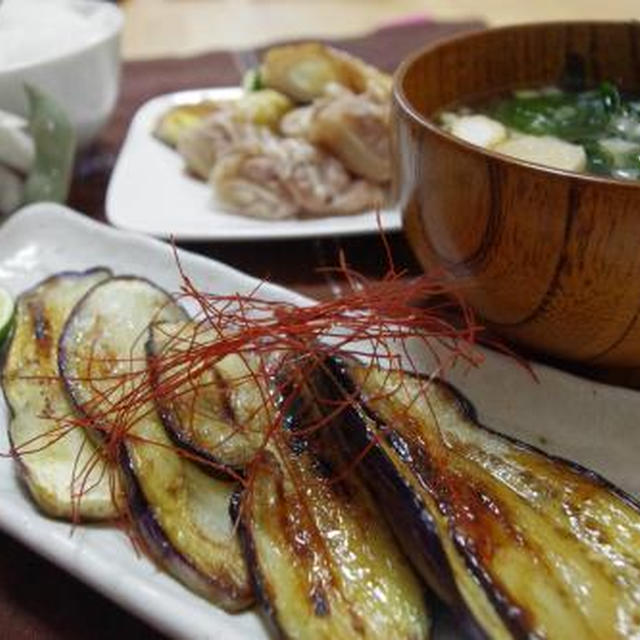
[(219, 412), (521, 544), (303, 71), (180, 510), (262, 108), (64, 471), (323, 561), (203, 145), (287, 177), (297, 122), (355, 129)]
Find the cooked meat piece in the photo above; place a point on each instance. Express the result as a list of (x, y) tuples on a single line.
[(296, 123), (201, 146), (355, 128), (247, 181), (280, 178)]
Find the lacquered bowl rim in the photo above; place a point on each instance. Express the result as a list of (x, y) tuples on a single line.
[(404, 105)]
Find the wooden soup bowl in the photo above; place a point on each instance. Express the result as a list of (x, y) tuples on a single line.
[(549, 258)]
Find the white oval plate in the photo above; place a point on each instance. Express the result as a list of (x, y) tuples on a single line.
[(591, 423), (150, 192)]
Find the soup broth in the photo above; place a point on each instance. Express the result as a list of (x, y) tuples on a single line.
[(595, 131)]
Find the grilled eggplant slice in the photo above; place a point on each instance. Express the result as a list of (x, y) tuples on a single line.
[(219, 412), (323, 561), (180, 511), (524, 544), (65, 474)]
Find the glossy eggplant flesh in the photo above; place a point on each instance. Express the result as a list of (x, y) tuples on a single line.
[(64, 472), (180, 511), (219, 408), (323, 561), (524, 544)]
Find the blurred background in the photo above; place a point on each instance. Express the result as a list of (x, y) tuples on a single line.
[(182, 27)]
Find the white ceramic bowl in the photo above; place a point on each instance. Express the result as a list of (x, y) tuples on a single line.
[(81, 70)]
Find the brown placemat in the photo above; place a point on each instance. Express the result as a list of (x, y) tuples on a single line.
[(38, 600)]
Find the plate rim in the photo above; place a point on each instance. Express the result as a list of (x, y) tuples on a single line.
[(63, 543)]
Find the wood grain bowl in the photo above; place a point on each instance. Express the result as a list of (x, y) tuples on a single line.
[(551, 259)]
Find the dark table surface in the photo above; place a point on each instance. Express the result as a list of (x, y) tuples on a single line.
[(38, 600)]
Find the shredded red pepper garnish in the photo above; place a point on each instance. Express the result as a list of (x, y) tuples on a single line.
[(382, 323)]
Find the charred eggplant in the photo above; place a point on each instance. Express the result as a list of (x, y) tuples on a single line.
[(65, 474), (522, 544), (323, 561), (219, 412), (180, 511)]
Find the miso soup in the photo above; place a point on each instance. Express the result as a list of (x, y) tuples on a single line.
[(595, 131)]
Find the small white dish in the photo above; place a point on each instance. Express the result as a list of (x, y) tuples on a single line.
[(591, 423), (76, 62), (150, 192)]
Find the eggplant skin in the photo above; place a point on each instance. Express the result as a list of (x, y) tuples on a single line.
[(220, 587), (323, 562), (180, 512), (182, 515), (412, 524), (52, 467), (522, 543), (259, 586), (219, 413)]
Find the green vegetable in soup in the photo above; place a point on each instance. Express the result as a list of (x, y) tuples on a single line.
[(570, 116), (599, 160), (601, 120)]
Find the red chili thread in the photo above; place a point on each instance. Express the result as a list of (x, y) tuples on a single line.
[(373, 321)]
